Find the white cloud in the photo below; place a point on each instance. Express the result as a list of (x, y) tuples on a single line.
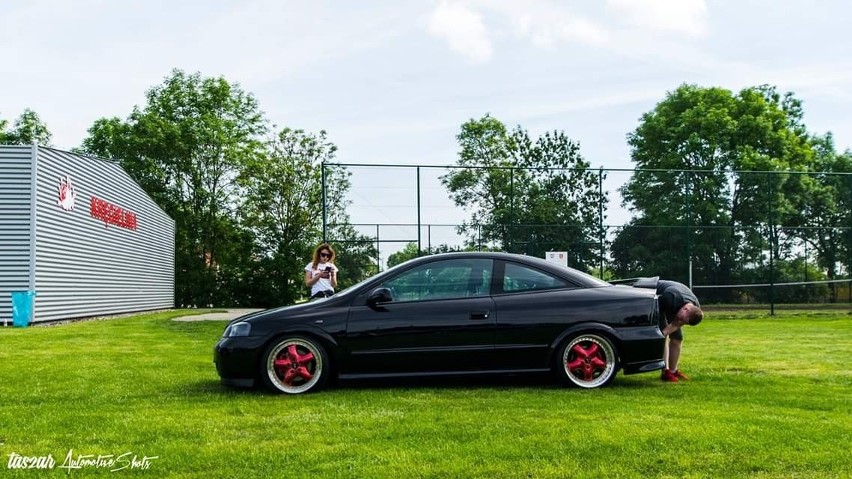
[(585, 31), (473, 27), (463, 28), (679, 16), (545, 27)]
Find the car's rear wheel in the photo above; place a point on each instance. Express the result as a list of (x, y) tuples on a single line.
[(295, 365), (588, 361)]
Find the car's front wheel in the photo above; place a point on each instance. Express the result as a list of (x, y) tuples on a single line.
[(588, 361), (295, 365)]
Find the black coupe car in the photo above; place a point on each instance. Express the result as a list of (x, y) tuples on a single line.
[(453, 313)]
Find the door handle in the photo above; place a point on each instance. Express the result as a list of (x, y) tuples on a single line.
[(479, 314)]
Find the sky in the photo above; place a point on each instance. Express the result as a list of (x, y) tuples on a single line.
[(392, 81)]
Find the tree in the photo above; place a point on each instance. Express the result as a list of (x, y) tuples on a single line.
[(696, 155), (4, 136), (410, 251), (122, 140), (282, 192), (28, 129), (357, 255), (641, 249), (282, 206), (186, 147), (788, 271), (821, 213), (525, 195)]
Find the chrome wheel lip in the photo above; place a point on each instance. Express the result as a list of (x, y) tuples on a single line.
[(278, 382), (608, 352)]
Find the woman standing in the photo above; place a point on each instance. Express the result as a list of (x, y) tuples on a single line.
[(321, 273)]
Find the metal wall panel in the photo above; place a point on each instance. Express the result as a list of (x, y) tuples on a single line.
[(85, 266), (15, 223)]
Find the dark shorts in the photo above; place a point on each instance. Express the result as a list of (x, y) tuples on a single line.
[(323, 294), (675, 335)]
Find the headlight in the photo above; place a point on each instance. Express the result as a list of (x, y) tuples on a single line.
[(237, 329)]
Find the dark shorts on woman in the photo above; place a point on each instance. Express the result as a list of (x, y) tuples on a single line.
[(323, 294)]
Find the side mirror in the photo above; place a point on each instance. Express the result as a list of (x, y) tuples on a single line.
[(380, 295)]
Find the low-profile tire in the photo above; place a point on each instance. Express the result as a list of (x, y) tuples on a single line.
[(295, 365), (587, 360)]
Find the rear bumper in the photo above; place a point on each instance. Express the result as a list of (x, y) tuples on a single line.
[(641, 349), (644, 367)]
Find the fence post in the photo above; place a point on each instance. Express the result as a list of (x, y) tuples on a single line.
[(419, 248), (688, 226), (324, 208), (601, 231), (771, 252), (509, 241)]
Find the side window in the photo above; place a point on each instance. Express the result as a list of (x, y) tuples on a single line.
[(449, 279), (521, 278)]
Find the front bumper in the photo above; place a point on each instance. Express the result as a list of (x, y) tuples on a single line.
[(237, 360)]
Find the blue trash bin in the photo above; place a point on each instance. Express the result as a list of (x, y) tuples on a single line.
[(22, 308)]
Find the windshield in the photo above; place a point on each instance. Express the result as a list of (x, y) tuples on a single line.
[(348, 290)]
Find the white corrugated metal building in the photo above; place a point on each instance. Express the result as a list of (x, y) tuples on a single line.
[(82, 234)]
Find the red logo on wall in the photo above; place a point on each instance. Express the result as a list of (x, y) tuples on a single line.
[(66, 194), (112, 214)]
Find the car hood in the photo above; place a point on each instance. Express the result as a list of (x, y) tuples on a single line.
[(281, 312)]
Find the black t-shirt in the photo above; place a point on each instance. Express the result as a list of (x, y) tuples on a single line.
[(673, 295)]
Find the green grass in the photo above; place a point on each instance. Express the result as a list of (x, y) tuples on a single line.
[(769, 398)]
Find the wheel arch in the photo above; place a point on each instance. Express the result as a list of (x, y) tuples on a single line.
[(326, 340), (583, 328)]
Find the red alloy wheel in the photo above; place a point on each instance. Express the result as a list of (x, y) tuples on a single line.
[(589, 361), (294, 365)]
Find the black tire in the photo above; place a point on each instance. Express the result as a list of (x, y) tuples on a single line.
[(295, 365), (587, 360)]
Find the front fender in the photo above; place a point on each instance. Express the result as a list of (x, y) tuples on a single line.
[(328, 341)]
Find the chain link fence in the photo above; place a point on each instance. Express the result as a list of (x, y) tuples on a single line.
[(736, 237)]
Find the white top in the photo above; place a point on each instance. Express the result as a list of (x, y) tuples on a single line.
[(324, 283)]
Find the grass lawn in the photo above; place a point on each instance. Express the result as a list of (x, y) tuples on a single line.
[(770, 397)]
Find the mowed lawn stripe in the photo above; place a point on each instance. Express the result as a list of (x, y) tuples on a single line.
[(769, 398)]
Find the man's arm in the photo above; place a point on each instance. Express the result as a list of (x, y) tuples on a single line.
[(678, 322)]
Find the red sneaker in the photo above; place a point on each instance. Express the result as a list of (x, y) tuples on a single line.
[(681, 376), (668, 377)]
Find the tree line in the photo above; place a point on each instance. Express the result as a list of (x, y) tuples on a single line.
[(728, 188), (726, 185), (246, 197), (749, 195)]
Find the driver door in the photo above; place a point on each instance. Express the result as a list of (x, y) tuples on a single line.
[(441, 319)]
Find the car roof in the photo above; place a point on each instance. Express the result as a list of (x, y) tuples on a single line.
[(574, 275)]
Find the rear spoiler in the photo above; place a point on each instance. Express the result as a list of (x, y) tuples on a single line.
[(649, 282)]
